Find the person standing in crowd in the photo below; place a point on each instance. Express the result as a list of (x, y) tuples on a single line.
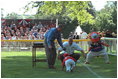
[(70, 46), (50, 36), (39, 25), (84, 44), (83, 35), (108, 34), (71, 34), (76, 36)]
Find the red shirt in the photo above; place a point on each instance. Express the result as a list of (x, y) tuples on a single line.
[(66, 58)]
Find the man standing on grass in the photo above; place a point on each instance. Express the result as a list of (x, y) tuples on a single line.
[(50, 36)]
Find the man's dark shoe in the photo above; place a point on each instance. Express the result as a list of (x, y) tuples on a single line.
[(72, 70)]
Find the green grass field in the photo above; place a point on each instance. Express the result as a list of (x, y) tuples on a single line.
[(19, 65)]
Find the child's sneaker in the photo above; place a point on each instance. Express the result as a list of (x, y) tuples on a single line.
[(78, 61), (72, 70), (67, 70), (87, 63), (108, 62)]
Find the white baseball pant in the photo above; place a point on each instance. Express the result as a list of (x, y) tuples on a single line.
[(70, 64), (91, 54)]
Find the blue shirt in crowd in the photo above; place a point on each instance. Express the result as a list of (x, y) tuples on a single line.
[(51, 35)]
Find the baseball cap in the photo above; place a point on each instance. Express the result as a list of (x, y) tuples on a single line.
[(66, 54)]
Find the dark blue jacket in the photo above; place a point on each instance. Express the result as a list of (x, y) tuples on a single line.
[(51, 35)]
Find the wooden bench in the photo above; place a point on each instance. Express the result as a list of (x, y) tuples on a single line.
[(34, 59)]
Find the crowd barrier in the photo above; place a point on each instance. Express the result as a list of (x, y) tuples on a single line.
[(26, 45)]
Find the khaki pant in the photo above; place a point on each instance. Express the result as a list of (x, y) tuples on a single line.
[(51, 54)]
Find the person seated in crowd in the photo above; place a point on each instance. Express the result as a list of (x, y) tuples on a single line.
[(39, 25), (68, 62), (13, 37), (76, 36), (20, 30), (108, 34), (71, 34), (70, 46), (96, 48)]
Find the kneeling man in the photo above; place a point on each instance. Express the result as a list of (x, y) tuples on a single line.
[(70, 46)]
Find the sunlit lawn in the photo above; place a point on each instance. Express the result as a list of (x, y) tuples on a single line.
[(19, 65)]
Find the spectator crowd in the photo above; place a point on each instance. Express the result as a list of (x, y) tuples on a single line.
[(24, 31), (37, 31)]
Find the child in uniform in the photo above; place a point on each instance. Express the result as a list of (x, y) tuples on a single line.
[(97, 48), (68, 62)]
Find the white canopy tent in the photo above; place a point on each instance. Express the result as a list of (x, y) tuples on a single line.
[(78, 30), (23, 22)]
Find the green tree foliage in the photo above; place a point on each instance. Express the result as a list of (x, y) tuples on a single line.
[(107, 18), (70, 13), (114, 12), (64, 9), (68, 9), (73, 13), (88, 27)]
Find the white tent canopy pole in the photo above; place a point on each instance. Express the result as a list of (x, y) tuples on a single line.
[(56, 22)]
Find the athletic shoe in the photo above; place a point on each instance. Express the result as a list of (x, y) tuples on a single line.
[(87, 63), (67, 70), (108, 63), (78, 61)]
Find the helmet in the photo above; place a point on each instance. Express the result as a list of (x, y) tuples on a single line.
[(94, 36)]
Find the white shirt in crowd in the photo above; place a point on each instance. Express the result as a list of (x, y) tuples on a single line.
[(14, 38), (83, 35), (70, 49)]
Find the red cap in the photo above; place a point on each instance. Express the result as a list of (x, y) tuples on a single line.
[(66, 54)]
